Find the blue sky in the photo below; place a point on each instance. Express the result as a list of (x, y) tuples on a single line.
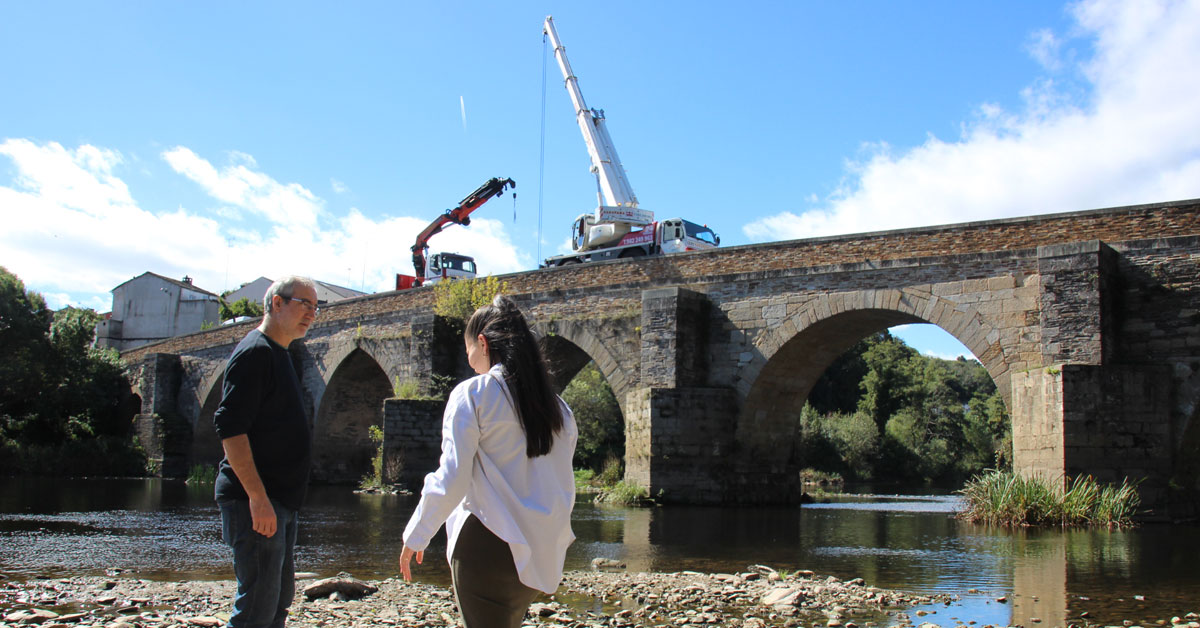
[(227, 141)]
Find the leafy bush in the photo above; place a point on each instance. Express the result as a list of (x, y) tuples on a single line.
[(457, 299), (375, 478), (839, 442)]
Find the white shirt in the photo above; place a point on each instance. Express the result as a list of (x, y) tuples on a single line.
[(484, 471)]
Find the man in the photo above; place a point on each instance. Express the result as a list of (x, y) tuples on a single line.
[(262, 480)]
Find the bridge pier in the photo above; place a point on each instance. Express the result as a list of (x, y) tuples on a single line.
[(165, 436), (1085, 413), (678, 431), (1109, 422)]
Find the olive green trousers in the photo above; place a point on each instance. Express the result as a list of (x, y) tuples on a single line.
[(486, 586)]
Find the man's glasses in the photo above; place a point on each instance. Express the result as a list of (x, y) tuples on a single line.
[(308, 305)]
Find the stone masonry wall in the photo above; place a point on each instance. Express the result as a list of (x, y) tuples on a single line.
[(412, 438), (678, 443), (1075, 303), (1116, 424), (1109, 422), (1036, 409), (675, 334)]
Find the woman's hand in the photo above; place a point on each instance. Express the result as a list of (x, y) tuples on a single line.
[(406, 556)]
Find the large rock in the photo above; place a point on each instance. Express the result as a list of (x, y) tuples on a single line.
[(787, 596), (342, 584)]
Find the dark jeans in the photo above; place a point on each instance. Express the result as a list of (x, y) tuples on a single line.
[(265, 570)]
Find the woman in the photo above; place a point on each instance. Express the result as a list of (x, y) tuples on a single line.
[(504, 485)]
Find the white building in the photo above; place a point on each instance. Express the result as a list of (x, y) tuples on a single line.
[(151, 307)]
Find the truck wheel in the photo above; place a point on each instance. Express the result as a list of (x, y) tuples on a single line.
[(568, 262), (632, 253)]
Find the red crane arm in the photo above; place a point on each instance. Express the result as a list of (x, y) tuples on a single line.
[(460, 215)]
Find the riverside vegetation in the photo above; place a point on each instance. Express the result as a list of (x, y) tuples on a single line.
[(64, 405), (1007, 498)]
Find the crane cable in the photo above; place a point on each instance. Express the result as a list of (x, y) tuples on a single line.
[(542, 154)]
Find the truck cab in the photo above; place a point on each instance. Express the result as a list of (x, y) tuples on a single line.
[(678, 235), (440, 266), (449, 265)]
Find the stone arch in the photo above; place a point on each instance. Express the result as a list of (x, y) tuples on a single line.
[(332, 359), (206, 446), (569, 346), (788, 360), (352, 402)]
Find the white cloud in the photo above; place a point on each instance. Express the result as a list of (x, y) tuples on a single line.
[(73, 230), (71, 226), (1045, 47), (242, 186), (1132, 137)]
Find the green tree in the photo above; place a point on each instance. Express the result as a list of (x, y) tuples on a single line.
[(24, 322), (988, 433), (59, 395), (241, 307), (933, 420), (837, 390), (88, 379), (891, 380), (598, 417)]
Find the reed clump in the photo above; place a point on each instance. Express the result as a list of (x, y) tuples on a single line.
[(1009, 499)]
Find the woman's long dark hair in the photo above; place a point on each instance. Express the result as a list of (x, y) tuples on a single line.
[(510, 343)]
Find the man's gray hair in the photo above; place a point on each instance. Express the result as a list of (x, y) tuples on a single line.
[(285, 288)]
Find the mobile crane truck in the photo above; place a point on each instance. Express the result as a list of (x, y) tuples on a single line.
[(609, 231), (443, 265)]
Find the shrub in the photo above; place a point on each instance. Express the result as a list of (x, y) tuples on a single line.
[(457, 299), (1010, 499), (202, 474), (374, 479), (625, 494)]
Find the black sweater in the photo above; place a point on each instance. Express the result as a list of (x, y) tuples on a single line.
[(261, 398)]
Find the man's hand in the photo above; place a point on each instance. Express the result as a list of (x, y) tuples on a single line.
[(262, 517), (262, 513)]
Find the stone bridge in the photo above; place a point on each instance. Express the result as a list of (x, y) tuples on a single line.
[(1088, 322)]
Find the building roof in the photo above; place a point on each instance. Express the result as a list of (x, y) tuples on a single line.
[(182, 284), (326, 292), (340, 291)]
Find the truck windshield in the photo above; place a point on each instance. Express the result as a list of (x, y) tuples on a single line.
[(456, 262), (701, 232)]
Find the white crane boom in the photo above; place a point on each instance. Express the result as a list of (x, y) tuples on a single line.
[(617, 202)]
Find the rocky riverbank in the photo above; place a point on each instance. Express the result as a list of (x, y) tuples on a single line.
[(757, 598)]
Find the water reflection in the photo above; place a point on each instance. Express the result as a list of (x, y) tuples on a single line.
[(165, 530)]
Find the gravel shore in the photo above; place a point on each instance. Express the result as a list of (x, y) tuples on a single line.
[(757, 598)]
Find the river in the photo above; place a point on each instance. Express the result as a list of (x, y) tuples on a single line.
[(163, 529)]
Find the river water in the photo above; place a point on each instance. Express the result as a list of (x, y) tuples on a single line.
[(163, 529)]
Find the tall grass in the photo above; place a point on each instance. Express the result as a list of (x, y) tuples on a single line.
[(202, 474), (1010, 499), (625, 494)]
